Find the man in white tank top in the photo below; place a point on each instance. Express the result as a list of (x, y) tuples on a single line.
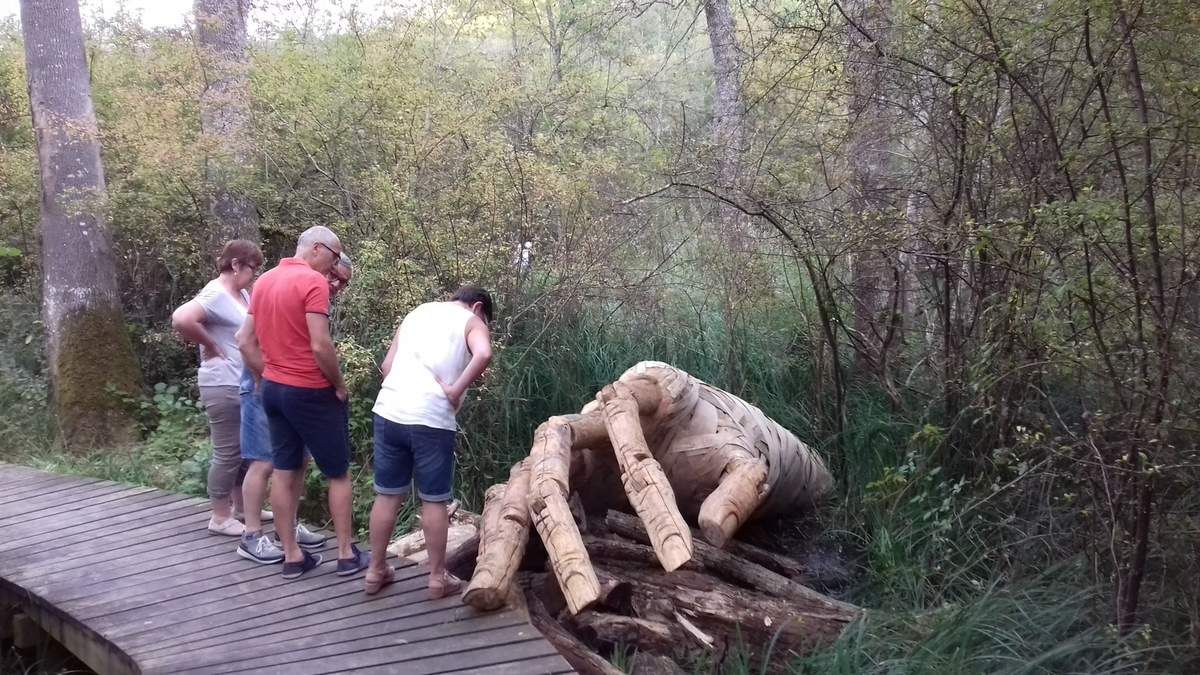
[(438, 351)]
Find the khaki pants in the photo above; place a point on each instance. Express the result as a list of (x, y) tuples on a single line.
[(224, 409)]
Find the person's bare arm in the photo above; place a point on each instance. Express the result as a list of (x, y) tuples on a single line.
[(324, 351), (479, 343), (188, 321), (386, 366), (251, 351)]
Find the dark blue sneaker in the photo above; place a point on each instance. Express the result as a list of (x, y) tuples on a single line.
[(356, 563), (292, 570)]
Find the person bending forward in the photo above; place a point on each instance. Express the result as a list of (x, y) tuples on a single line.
[(438, 351)]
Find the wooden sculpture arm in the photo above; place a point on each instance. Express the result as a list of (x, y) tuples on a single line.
[(502, 541), (644, 480), (741, 490)]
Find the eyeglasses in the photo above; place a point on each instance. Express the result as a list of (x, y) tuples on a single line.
[(253, 268), (336, 255)]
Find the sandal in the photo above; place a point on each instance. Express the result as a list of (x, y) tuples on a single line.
[(447, 585), (373, 586)]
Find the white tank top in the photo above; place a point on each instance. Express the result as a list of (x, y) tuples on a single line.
[(431, 342)]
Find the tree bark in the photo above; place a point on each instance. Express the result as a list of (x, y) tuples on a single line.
[(874, 272), (744, 572), (572, 649), (730, 613), (225, 116), (728, 139), (90, 357)]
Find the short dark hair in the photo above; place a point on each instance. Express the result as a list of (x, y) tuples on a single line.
[(243, 250), (473, 294)]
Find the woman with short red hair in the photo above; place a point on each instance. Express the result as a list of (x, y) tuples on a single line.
[(211, 319)]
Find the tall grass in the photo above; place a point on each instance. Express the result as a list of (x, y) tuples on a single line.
[(940, 560)]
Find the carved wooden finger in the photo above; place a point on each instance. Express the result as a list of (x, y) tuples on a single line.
[(551, 514), (645, 483), (736, 498), (502, 544)]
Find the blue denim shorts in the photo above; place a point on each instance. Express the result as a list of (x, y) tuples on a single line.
[(408, 452), (300, 417), (255, 433)]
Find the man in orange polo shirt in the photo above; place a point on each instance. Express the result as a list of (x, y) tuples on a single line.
[(286, 341)]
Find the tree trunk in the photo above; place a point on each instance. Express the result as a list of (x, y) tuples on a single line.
[(874, 280), (225, 116), (90, 357), (728, 137)]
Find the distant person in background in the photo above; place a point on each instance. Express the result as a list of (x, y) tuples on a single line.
[(438, 351), (211, 320), (256, 451), (288, 345)]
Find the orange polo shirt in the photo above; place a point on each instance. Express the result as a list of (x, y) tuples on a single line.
[(282, 298)]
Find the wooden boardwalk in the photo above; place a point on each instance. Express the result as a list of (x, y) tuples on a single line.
[(130, 581)]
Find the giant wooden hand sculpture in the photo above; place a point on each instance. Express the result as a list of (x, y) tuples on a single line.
[(682, 448)]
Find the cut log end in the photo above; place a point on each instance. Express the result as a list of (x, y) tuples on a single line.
[(485, 598)]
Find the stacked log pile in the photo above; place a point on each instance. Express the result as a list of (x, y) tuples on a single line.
[(740, 599)]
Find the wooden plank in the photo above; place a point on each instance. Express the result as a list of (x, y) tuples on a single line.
[(367, 611), (112, 570), (400, 629), (471, 660), (78, 590), (111, 562), (74, 503), (71, 502), (16, 492), (553, 664), (14, 473), (181, 538), (100, 518), (98, 654), (72, 594), (44, 492), (504, 629), (29, 503), (193, 583), (325, 612), (135, 519), (180, 615)]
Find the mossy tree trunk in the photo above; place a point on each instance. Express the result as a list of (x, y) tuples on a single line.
[(90, 356), (225, 117)]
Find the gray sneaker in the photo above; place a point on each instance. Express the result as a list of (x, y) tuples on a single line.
[(260, 549), (307, 540)]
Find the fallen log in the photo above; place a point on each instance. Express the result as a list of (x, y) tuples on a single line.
[(581, 658), (736, 569), (721, 609), (460, 561), (776, 562), (657, 636), (615, 548)]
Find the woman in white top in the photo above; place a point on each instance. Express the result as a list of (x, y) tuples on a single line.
[(211, 320)]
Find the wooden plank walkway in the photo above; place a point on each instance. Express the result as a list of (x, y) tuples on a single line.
[(130, 581)]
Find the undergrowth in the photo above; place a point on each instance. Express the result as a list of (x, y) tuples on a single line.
[(962, 573)]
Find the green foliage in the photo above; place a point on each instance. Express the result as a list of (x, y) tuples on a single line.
[(1040, 625), (448, 144)]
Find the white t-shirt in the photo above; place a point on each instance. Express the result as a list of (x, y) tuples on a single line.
[(431, 343), (223, 316)]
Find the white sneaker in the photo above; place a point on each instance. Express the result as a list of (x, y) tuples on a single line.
[(229, 527), (307, 540)]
